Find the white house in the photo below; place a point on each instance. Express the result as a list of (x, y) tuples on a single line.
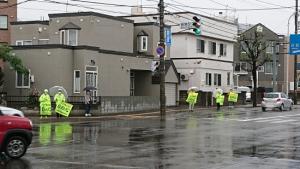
[(204, 61)]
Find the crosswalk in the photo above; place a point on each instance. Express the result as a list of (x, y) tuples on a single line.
[(280, 119)]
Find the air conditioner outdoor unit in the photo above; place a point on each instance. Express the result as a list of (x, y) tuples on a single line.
[(184, 77)]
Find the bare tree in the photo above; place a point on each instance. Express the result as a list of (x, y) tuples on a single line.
[(253, 49)]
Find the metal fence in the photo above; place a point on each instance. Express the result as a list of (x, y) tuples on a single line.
[(103, 104)]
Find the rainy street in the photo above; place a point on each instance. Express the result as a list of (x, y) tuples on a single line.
[(239, 138)]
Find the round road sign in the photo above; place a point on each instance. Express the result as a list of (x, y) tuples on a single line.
[(160, 50)]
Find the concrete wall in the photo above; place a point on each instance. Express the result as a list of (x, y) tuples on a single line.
[(96, 31), (32, 32), (50, 67)]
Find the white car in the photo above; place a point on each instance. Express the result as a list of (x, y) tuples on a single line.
[(276, 100), (11, 111)]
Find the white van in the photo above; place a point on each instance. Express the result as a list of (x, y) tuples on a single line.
[(240, 89)]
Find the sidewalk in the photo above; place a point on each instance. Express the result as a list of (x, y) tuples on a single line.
[(78, 115)]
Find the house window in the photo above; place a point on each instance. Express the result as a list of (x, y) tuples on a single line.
[(217, 79), (69, 37), (43, 41), (23, 42), (72, 38), (212, 48), (27, 42), (208, 79), (228, 78), (200, 46), (268, 68), (22, 80), (223, 50), (269, 48), (132, 77), (143, 43), (62, 37), (19, 42), (76, 81), (240, 67), (3, 22)]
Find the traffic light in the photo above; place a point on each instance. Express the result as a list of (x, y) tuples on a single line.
[(196, 25)]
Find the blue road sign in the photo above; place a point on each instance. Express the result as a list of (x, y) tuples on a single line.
[(168, 36), (160, 50), (294, 44)]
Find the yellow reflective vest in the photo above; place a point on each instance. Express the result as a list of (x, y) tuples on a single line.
[(220, 99), (45, 105), (58, 98), (232, 97)]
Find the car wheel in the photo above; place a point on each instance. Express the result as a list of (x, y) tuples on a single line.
[(263, 109), (281, 107), (15, 147), (291, 107)]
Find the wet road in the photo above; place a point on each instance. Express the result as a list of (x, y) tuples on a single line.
[(230, 139)]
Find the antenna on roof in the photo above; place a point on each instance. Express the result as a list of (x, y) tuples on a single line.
[(67, 4)]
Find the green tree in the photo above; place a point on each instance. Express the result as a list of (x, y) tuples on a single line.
[(15, 63), (253, 51)]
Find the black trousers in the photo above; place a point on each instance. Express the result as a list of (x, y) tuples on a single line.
[(218, 106)]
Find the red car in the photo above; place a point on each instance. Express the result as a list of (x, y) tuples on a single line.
[(15, 135)]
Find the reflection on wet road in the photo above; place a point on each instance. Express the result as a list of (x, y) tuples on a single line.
[(229, 139)]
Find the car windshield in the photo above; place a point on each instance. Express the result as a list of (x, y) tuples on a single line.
[(271, 95)]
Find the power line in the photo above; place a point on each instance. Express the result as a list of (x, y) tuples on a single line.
[(216, 2), (206, 13), (269, 3), (81, 6), (111, 4), (232, 31), (233, 9), (16, 4)]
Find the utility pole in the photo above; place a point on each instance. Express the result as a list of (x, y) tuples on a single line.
[(274, 67), (295, 57), (162, 60)]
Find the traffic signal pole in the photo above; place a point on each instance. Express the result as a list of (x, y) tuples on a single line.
[(295, 57), (162, 61)]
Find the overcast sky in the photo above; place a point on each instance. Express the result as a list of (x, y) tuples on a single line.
[(274, 18)]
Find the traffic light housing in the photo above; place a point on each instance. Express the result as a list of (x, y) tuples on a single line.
[(197, 26)]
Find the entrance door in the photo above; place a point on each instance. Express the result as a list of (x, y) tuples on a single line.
[(91, 79)]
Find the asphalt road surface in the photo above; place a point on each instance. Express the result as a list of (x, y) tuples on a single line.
[(239, 138)]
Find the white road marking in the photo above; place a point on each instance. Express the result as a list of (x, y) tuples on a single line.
[(283, 121)]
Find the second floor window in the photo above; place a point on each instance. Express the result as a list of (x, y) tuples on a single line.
[(217, 79), (240, 67), (223, 49), (212, 48), (69, 37), (200, 46), (208, 79), (3, 22), (268, 67)]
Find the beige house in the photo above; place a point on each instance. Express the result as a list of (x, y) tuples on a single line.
[(75, 50)]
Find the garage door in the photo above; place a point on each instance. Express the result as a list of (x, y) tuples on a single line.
[(170, 94)]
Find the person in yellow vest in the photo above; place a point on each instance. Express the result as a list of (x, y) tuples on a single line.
[(59, 98), (192, 99), (232, 98), (219, 100), (45, 104)]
